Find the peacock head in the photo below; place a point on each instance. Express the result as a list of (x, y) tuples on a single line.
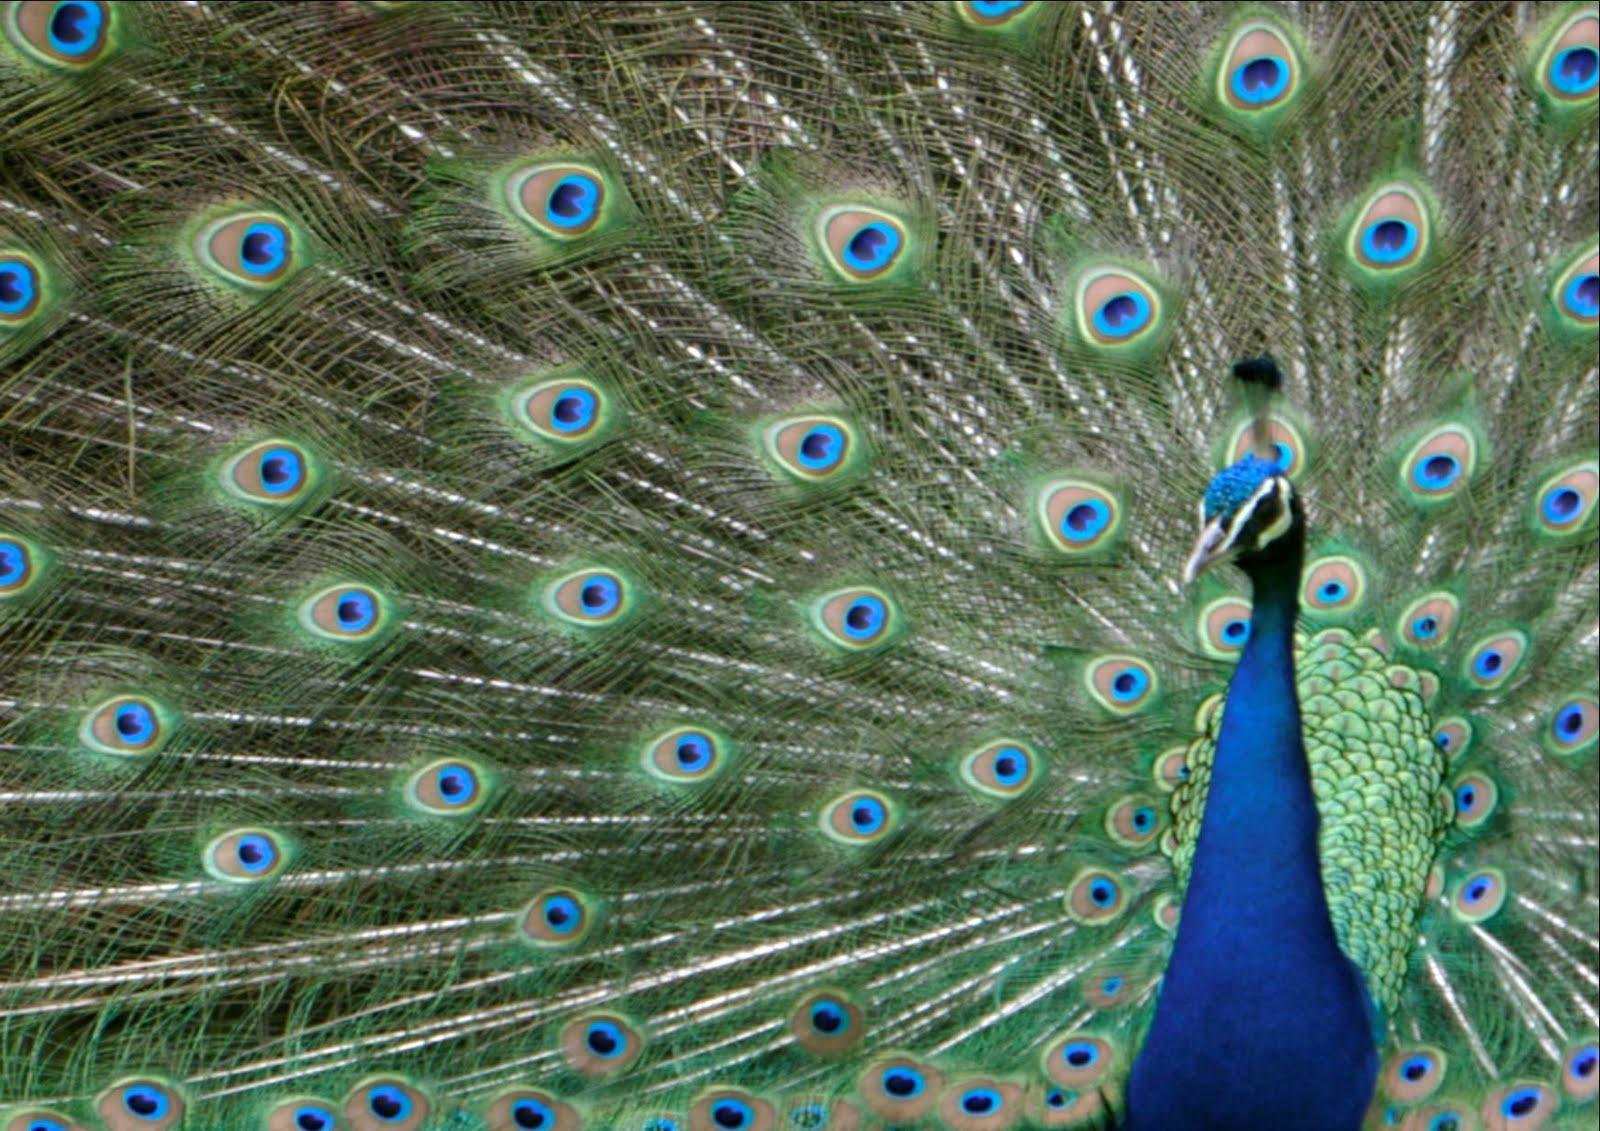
[(1250, 514)]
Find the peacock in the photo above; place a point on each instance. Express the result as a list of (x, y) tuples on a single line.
[(799, 567)]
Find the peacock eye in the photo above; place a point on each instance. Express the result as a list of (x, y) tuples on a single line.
[(19, 567), (1475, 800), (245, 856), (1133, 822), (303, 1114), (1116, 307), (274, 472), (1440, 464), (992, 13), (1580, 1075), (811, 448), (557, 917), (900, 1089), (1123, 685), (448, 787), (140, 1105), (862, 244), (1288, 444), (1576, 292), (1522, 1105), (253, 249), (1566, 501), (564, 201), (1225, 626), (1095, 896), (1480, 896), (347, 613), (1569, 72), (600, 1044), (70, 34), (568, 412), (980, 1103), (1429, 621), (860, 817), (34, 1119), (1574, 724), (855, 618), (1495, 659), (685, 755), (731, 1109), (1077, 1060), (826, 1023), (1391, 232), (127, 725), (590, 598), (1003, 769), (1076, 516), (1260, 69), (1412, 1075), (387, 1104), (21, 289), (1334, 585)]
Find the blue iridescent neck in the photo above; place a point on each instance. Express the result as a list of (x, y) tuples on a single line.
[(1261, 1020)]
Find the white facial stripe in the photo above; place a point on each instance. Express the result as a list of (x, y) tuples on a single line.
[(1241, 519), (1281, 524)]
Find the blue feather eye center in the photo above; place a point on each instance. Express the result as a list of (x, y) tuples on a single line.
[(1585, 1062), (1010, 765), (1389, 240), (734, 1115), (867, 815), (19, 286), (829, 1017), (1562, 505), (256, 853), (562, 914), (1085, 520), (600, 595), (1477, 890), (1521, 1103), (573, 201), (1488, 662), (574, 410), (1236, 631), (282, 471), (145, 1102), (1582, 296), (1080, 1054), (994, 9), (1103, 893), (135, 723), (864, 618), (1122, 315), (903, 1083), (264, 247), (1466, 796), (75, 27), (457, 784), (981, 1101), (1129, 684), (1436, 472), (531, 1114), (1416, 1068), (821, 448), (605, 1039), (313, 1119), (873, 247), (355, 610), (693, 752), (1575, 70), (1260, 80), (389, 1103), (45, 1125), (1426, 628), (1333, 591)]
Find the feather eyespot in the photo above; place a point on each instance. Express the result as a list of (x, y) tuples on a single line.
[(23, 288), (1521, 1106), (855, 619), (1095, 896), (40, 1119), (981, 1104), (1166, 911), (345, 613), (1288, 444), (563, 201), (528, 1109), (1492, 661), (860, 817), (1453, 736), (1076, 516), (140, 1104), (1580, 1071), (69, 34), (1004, 768), (557, 918), (1429, 621), (1108, 988), (567, 412), (128, 726), (1133, 822), (1568, 67), (1078, 1060), (386, 1103), (1171, 768), (1475, 798), (274, 473), (1224, 627), (1123, 685), (731, 1109), (257, 250), (812, 449), (600, 1044), (899, 1088), (685, 756), (1412, 1075), (1576, 292), (1440, 464), (19, 566), (1334, 584), (304, 1113), (245, 856), (862, 244), (1260, 70), (1479, 896), (1116, 308), (1565, 502), (992, 13), (1574, 724), (1392, 231), (589, 598), (448, 787), (827, 1023)]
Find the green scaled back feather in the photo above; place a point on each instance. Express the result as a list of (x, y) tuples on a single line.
[(619, 563)]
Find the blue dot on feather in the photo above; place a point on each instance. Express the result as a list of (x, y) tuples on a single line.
[(732, 1115), (75, 28), (1122, 315), (313, 1119), (1010, 765), (1488, 663), (821, 447), (1576, 70), (1445, 1121), (1103, 893), (573, 201), (867, 815), (1080, 1054), (1058, 1098), (574, 410), (872, 246), (135, 723), (46, 1125), (1585, 1062), (1333, 591), (1436, 472), (1389, 240), (903, 1083), (18, 286), (1128, 684), (1582, 296), (827, 1017), (146, 1103), (457, 784), (1520, 1103), (13, 562), (661, 1123), (693, 752), (981, 1101), (388, 1103), (562, 914), (605, 1039), (256, 853), (600, 596), (1561, 505), (356, 611), (994, 9), (532, 1114), (864, 618), (264, 248), (1085, 521), (1260, 80), (281, 471)]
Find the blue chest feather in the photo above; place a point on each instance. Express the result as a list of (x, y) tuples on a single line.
[(1262, 1020)]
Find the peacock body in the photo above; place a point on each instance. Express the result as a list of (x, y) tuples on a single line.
[(623, 565)]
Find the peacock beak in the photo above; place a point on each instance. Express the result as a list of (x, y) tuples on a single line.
[(1215, 545)]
